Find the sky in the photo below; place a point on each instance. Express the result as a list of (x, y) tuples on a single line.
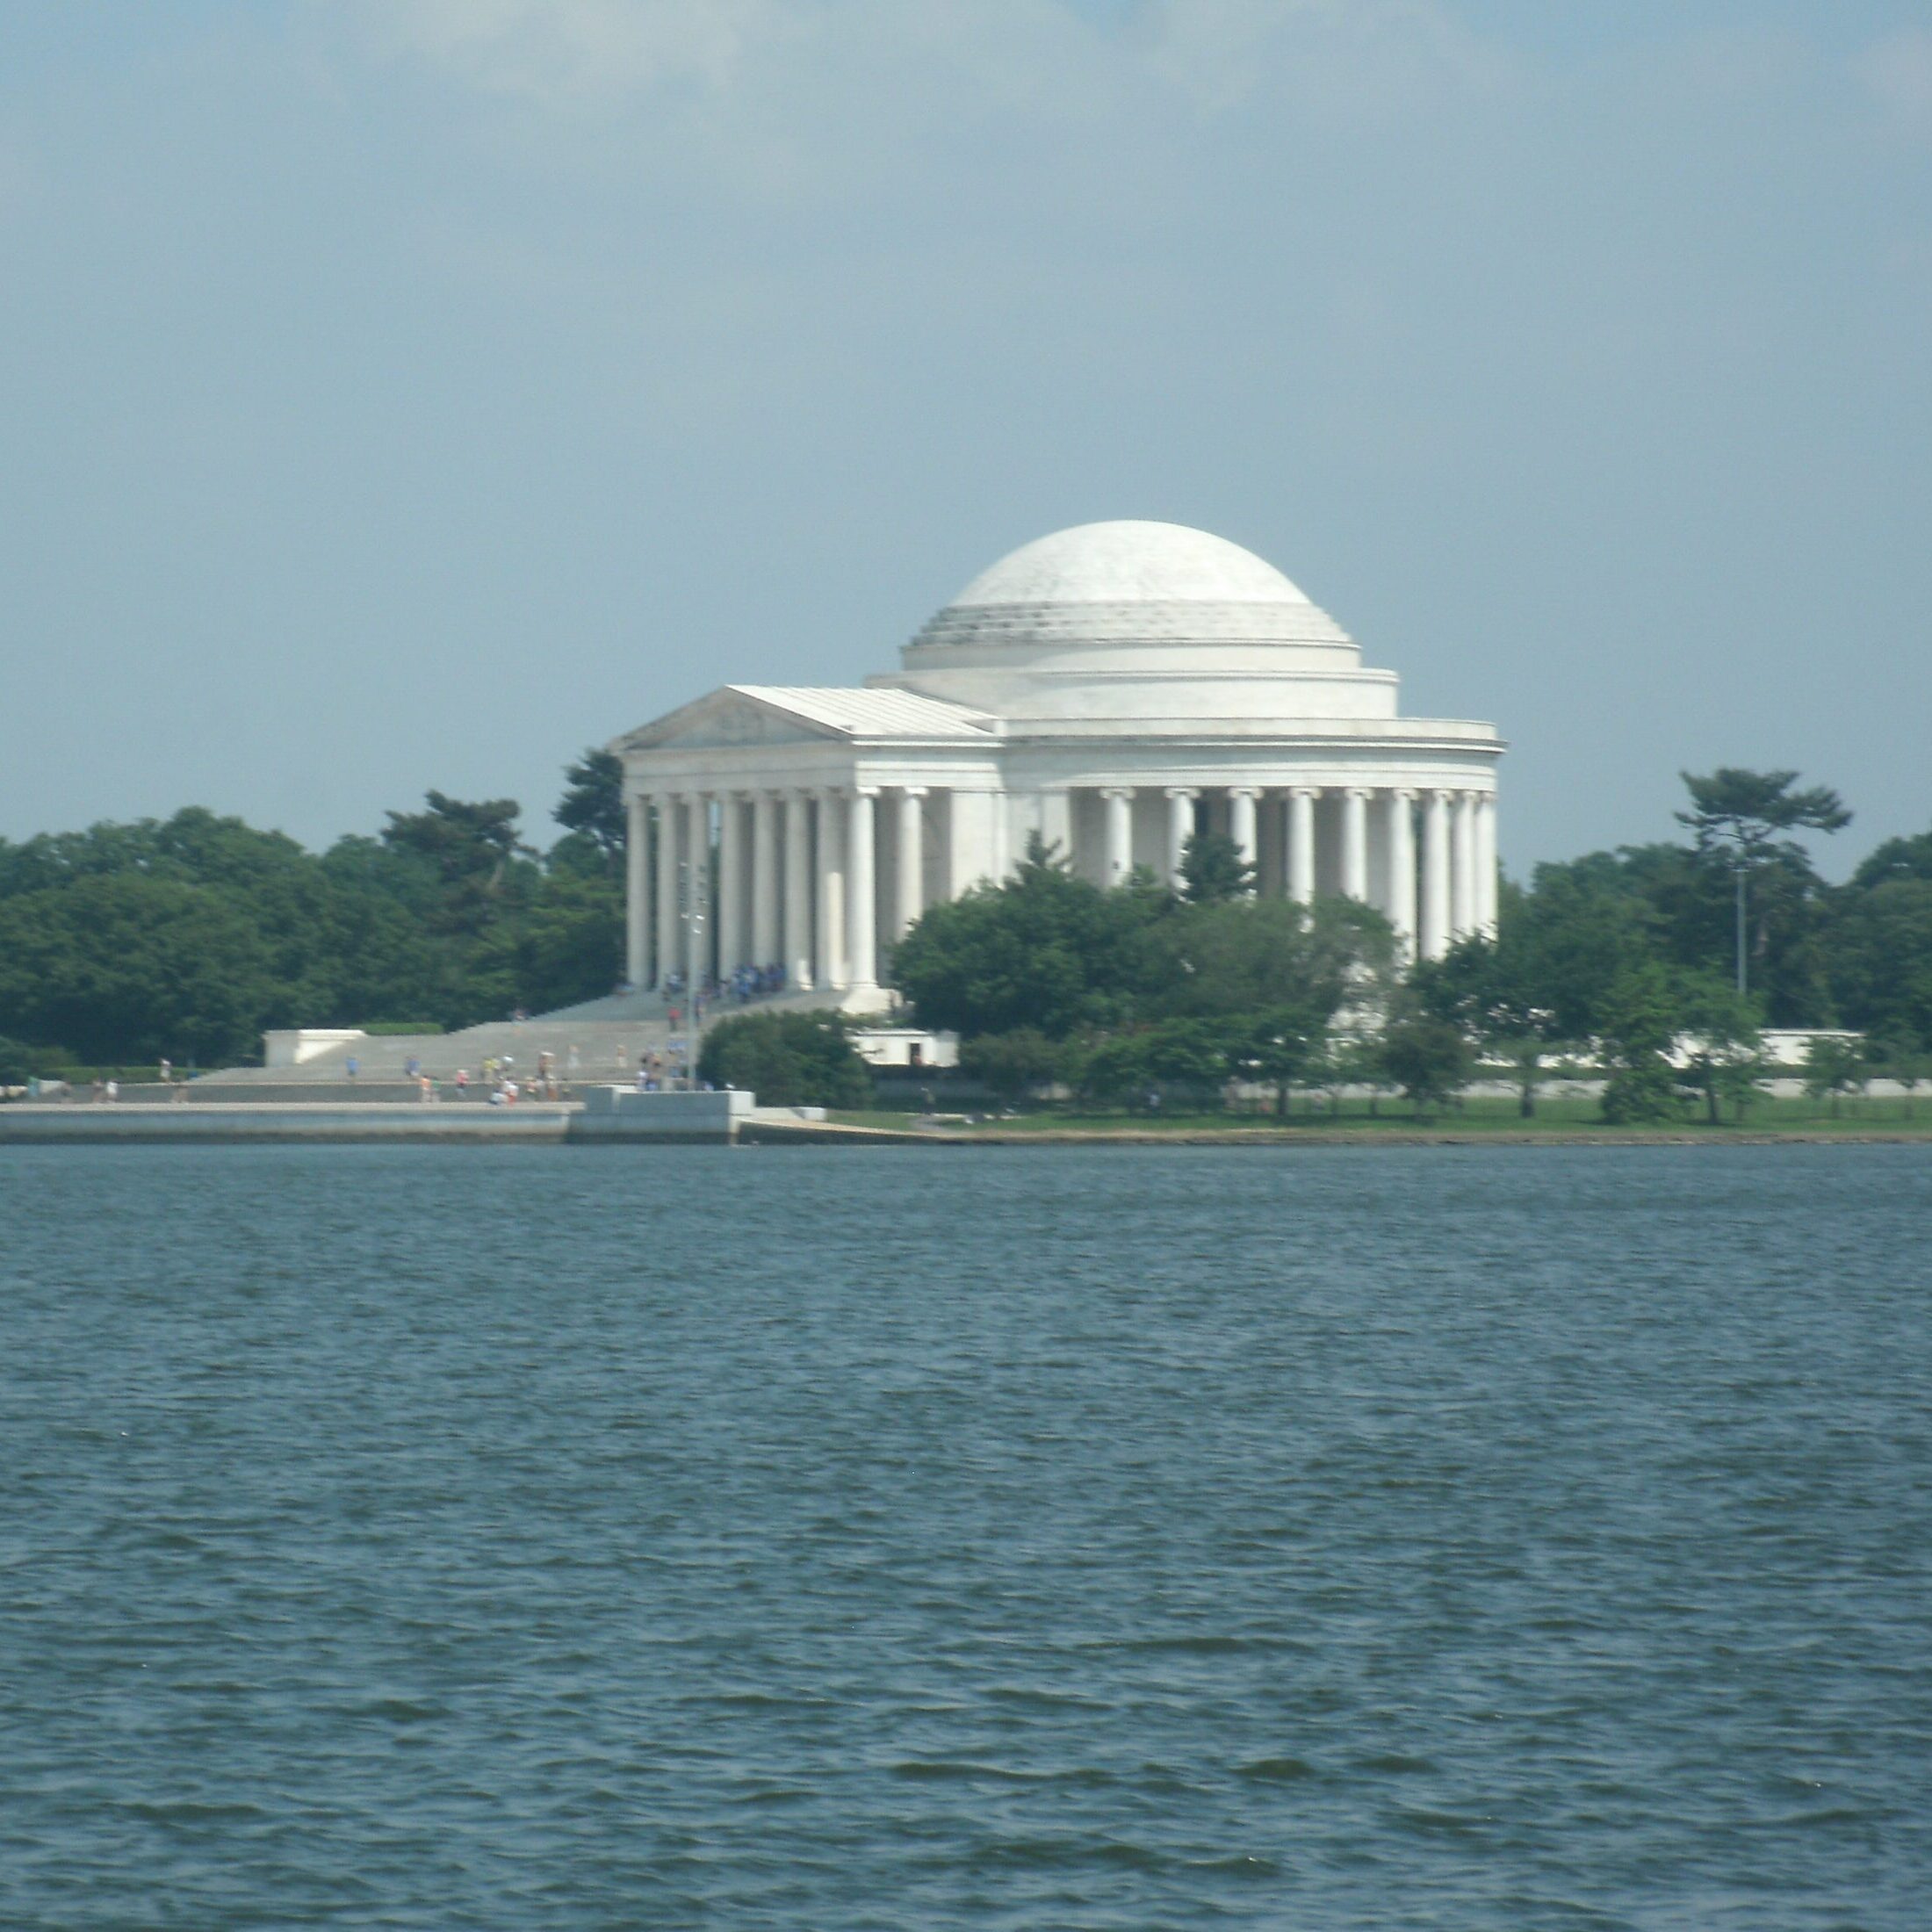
[(399, 393)]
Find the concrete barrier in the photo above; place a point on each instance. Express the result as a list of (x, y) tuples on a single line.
[(607, 1114), (352, 1120), (622, 1114)]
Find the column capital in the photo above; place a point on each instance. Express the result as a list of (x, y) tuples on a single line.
[(1443, 795), (1356, 791), (914, 791), (1304, 792), (1116, 791), (861, 791), (1402, 791), (1245, 791), (1182, 791)]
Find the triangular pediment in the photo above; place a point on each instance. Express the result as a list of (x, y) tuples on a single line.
[(790, 714), (726, 718)]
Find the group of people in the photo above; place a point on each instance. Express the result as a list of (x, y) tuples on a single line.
[(662, 1072), (749, 982), (741, 985), (501, 1085)]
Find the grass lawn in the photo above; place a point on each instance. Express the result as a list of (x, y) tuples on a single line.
[(1555, 1113)]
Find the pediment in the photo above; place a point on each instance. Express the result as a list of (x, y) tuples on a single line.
[(726, 718)]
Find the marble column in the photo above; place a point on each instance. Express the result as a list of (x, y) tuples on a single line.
[(797, 944), (1180, 828), (764, 947), (698, 888), (1486, 865), (1119, 832), (829, 966), (1435, 874), (1241, 827), (909, 899), (1462, 866), (1302, 842), (637, 890), (863, 888), (1355, 843), (1401, 870), (669, 818), (731, 883)]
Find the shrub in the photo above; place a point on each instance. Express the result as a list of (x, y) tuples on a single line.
[(1428, 1059), (1012, 1064), (787, 1059)]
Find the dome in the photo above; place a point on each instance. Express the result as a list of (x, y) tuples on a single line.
[(1130, 563), (1129, 583)]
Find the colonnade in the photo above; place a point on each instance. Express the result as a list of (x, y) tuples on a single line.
[(786, 879), (789, 878)]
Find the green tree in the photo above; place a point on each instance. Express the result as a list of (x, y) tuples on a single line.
[(1012, 1065), (123, 969), (472, 847), (1213, 870), (1356, 1061), (1042, 949), (787, 1059), (564, 945), (1230, 957), (1901, 1058), (1278, 1047), (1147, 1065), (1639, 1027), (1833, 1066), (1881, 953), (593, 808), (1723, 1055), (1499, 991), (1740, 821), (1897, 859), (1586, 924), (1426, 1058)]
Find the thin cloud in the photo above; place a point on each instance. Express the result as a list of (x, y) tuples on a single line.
[(1346, 55), (565, 52)]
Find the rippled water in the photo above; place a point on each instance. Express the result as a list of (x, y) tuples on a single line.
[(1110, 1539)]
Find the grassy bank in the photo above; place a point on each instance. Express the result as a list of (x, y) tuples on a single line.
[(1570, 1118)]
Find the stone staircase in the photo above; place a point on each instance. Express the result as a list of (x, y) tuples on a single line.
[(597, 1042)]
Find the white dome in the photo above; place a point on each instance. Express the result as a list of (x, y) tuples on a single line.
[(1129, 583), (1130, 562)]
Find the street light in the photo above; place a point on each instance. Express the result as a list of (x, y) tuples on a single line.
[(1740, 868)]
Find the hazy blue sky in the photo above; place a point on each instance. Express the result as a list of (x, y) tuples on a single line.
[(410, 393)]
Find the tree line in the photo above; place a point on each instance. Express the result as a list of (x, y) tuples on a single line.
[(187, 937), (1134, 994)]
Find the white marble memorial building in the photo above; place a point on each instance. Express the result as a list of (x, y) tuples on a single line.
[(1112, 688)]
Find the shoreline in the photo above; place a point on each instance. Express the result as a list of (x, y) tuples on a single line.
[(559, 1123)]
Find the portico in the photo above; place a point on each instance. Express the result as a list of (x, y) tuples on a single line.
[(1114, 689)]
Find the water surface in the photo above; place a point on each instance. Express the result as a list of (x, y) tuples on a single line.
[(1101, 1538)]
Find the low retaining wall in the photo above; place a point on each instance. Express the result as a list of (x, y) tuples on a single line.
[(363, 1121), (622, 1114), (608, 1115)]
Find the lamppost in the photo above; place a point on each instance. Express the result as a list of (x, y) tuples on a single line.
[(1740, 868)]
